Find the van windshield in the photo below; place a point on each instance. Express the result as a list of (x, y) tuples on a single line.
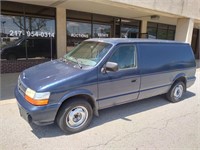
[(88, 53)]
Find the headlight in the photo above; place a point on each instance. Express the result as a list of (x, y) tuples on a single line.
[(35, 98)]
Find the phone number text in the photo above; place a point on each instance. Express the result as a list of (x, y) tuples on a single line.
[(31, 33)]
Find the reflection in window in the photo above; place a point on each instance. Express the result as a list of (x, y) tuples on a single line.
[(101, 31), (9, 36), (12, 35), (130, 28), (77, 32), (129, 32), (161, 31), (171, 34), (152, 33), (40, 34), (34, 39), (162, 34), (88, 53), (124, 56)]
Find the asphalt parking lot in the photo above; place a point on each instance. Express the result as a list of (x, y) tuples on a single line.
[(152, 123)]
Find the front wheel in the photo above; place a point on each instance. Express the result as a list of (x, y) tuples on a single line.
[(74, 116), (176, 92)]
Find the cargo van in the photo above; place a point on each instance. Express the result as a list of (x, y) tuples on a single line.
[(101, 73)]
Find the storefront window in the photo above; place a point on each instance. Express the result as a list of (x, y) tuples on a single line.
[(77, 32), (102, 26), (27, 36), (12, 35), (129, 32), (40, 33), (152, 33), (34, 39), (161, 31), (196, 42), (162, 34), (171, 34), (88, 25), (101, 31), (130, 28)]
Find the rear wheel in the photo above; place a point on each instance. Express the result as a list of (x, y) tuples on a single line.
[(176, 92), (74, 116)]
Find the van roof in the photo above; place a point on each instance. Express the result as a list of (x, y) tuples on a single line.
[(131, 40)]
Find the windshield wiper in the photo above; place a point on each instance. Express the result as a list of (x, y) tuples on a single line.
[(77, 61)]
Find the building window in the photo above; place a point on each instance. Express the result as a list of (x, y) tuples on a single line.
[(77, 32), (102, 26), (161, 31), (85, 26), (11, 37), (196, 42), (101, 31), (130, 28), (27, 34)]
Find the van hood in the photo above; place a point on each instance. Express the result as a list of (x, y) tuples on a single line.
[(42, 77)]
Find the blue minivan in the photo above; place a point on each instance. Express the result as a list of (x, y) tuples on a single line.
[(101, 73)]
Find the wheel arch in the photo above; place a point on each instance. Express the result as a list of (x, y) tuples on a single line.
[(84, 94), (180, 77)]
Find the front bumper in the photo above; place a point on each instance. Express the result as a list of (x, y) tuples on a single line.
[(40, 115)]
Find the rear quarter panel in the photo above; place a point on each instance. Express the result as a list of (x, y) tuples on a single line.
[(161, 64)]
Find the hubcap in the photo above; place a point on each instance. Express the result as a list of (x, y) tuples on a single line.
[(76, 117), (178, 92)]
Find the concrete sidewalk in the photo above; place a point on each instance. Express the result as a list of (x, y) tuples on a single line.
[(8, 83)]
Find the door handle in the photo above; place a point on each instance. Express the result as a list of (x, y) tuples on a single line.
[(134, 80)]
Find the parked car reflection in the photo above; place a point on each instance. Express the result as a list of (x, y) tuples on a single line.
[(29, 48)]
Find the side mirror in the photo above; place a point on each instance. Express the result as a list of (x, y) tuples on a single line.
[(111, 66)]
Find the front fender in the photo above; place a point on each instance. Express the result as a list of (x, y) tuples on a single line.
[(78, 92)]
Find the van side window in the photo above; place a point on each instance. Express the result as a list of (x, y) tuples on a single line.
[(124, 56)]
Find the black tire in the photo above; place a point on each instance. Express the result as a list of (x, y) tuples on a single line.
[(175, 94), (80, 109)]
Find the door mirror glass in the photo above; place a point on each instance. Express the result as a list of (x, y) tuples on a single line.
[(111, 66)]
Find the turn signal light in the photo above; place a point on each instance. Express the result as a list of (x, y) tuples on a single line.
[(40, 102)]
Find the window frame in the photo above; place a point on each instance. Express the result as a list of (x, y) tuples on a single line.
[(158, 26), (135, 55), (24, 14)]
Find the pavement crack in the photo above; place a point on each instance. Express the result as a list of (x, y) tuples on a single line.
[(153, 128), (103, 144)]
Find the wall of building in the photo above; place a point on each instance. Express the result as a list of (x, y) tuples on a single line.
[(64, 24), (186, 8)]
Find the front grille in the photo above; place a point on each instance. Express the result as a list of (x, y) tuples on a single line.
[(21, 87)]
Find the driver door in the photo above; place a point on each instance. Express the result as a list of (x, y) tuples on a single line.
[(123, 85)]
